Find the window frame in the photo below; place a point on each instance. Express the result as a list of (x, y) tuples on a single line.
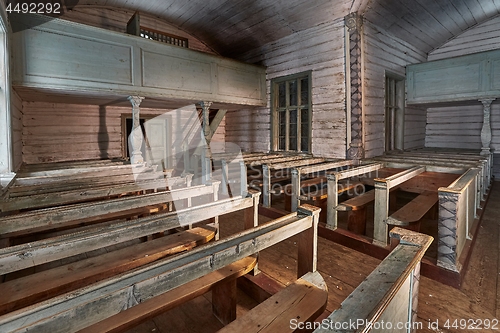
[(394, 113), (274, 112)]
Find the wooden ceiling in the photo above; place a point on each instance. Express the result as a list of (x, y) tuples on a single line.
[(233, 27)]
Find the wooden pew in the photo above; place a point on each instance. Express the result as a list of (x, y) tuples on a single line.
[(388, 297), (317, 172), (30, 289), (50, 218), (86, 306), (356, 211), (267, 181), (381, 209), (333, 183), (88, 192), (410, 215)]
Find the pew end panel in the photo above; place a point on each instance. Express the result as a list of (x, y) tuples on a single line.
[(389, 294)]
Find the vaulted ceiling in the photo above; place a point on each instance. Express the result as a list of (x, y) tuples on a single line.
[(233, 27)]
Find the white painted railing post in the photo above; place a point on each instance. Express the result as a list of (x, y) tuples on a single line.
[(135, 139), (332, 202), (380, 228), (266, 186), (206, 170), (295, 195), (486, 129)]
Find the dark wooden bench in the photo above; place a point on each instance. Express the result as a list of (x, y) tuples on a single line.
[(410, 215), (304, 300), (314, 191), (46, 284), (356, 211)]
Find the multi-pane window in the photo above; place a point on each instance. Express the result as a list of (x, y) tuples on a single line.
[(394, 112), (291, 101)]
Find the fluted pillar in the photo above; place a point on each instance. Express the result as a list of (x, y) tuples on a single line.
[(486, 129)]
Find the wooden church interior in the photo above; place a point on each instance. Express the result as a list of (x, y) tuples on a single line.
[(250, 166)]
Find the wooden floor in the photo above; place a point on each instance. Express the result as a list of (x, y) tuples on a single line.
[(441, 308)]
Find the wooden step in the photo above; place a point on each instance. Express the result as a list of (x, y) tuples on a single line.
[(46, 284)]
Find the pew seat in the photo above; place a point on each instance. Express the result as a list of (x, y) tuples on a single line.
[(304, 300), (411, 214)]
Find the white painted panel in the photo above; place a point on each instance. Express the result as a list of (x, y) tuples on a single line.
[(234, 81), (72, 57), (170, 72)]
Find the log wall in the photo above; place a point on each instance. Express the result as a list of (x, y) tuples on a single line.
[(386, 53), (483, 37), (321, 50), (16, 113), (53, 132), (460, 126)]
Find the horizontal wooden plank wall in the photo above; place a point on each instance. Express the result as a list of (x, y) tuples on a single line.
[(483, 37), (320, 49), (62, 132), (460, 127), (16, 113), (114, 18), (386, 53), (455, 127)]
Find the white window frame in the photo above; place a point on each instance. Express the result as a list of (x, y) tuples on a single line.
[(275, 109)]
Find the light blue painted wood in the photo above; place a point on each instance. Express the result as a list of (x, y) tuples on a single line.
[(66, 56), (469, 77)]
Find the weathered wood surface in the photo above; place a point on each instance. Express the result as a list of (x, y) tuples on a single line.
[(457, 211), (414, 211), (86, 193), (219, 79), (150, 308), (14, 258), (387, 293), (303, 300), (381, 209), (43, 285), (112, 296), (50, 218)]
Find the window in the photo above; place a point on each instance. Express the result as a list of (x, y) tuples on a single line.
[(291, 112), (394, 112)]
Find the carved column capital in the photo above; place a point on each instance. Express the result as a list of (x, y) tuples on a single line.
[(135, 101), (353, 21)]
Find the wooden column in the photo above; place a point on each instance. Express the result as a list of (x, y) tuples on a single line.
[(206, 169), (381, 213), (135, 139), (486, 129), (354, 84)]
